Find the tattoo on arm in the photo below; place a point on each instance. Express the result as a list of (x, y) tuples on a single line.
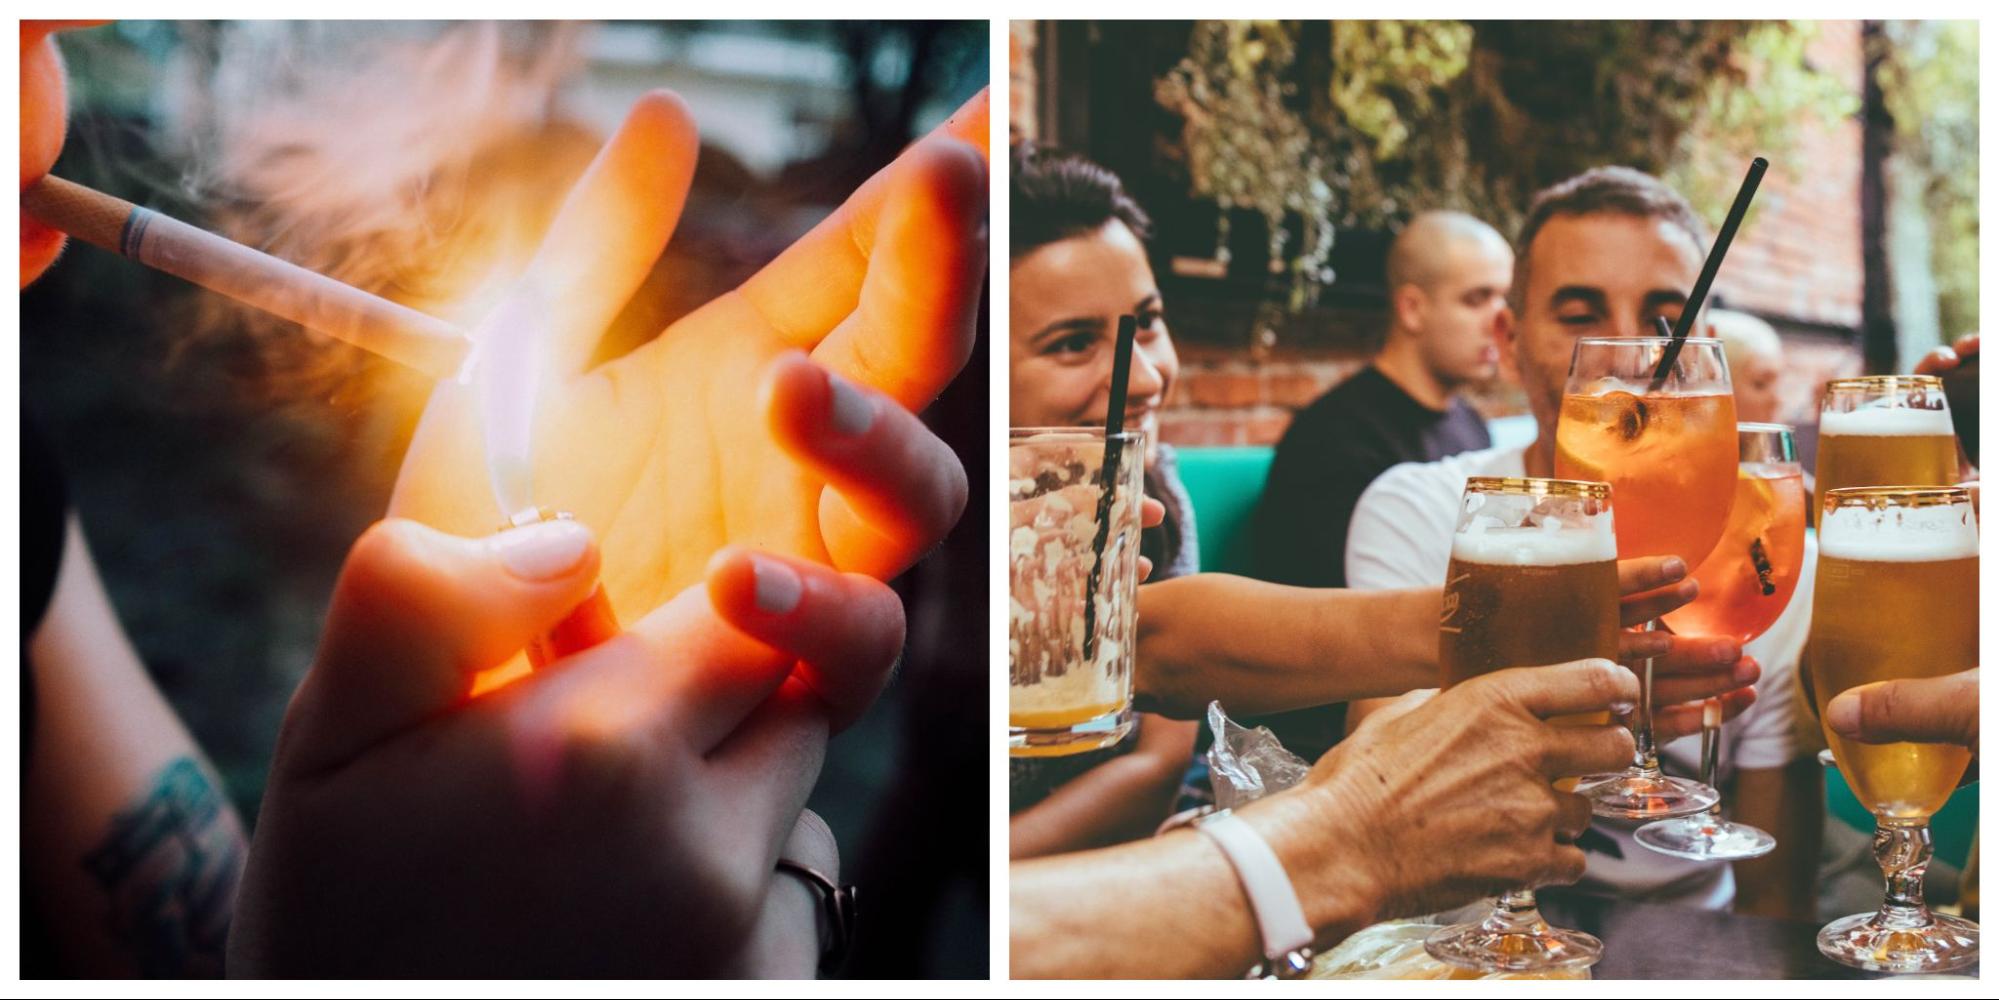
[(170, 863)]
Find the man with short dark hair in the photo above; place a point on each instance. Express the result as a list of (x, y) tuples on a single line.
[(1600, 255)]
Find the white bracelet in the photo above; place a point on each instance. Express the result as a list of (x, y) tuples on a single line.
[(1272, 898)]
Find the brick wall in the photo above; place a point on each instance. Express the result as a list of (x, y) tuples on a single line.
[(1800, 262)]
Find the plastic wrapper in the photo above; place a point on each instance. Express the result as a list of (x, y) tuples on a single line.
[(1246, 764)]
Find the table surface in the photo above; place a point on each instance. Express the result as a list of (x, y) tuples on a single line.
[(1653, 941)]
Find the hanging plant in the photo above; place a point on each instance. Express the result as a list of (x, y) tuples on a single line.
[(1246, 147)]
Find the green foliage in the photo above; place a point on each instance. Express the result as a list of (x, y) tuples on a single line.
[(1929, 80), (1247, 148)]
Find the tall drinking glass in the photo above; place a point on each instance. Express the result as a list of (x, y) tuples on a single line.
[(1668, 451), (1745, 585), (1532, 582), (1073, 587), (1884, 430), (1897, 597)]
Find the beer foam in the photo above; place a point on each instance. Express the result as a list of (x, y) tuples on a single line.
[(1885, 421), (1533, 546), (1910, 534)]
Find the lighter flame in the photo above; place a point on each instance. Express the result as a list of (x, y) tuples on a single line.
[(506, 367)]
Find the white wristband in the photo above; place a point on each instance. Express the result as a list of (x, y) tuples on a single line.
[(1271, 895)]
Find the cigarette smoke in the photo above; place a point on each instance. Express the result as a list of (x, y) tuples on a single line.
[(420, 162)]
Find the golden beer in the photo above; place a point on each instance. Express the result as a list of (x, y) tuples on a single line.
[(1525, 595), (1669, 459), (1894, 446), (1897, 597)]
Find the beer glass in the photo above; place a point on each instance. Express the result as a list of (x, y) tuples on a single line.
[(1073, 587), (1897, 597), (1668, 451), (1532, 582), (1884, 430), (1745, 585)]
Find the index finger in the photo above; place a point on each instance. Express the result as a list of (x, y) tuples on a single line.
[(816, 281), (1592, 685)]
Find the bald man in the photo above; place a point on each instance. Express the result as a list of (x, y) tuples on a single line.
[(1447, 279)]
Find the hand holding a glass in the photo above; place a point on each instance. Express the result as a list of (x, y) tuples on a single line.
[(1914, 710)]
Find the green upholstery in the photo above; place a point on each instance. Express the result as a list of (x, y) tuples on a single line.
[(1225, 484), (1951, 829)]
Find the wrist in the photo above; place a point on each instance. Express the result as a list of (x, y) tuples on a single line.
[(1338, 895)]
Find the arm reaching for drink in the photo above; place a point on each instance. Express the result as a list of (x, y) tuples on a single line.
[(1377, 830), (1263, 647)]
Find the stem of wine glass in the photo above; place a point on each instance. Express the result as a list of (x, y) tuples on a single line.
[(1903, 851), (1647, 759), (1711, 754)]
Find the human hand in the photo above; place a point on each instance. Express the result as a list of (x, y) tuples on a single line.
[(1914, 710), (1944, 359), (717, 431), (617, 812), (1686, 670), (1441, 798)]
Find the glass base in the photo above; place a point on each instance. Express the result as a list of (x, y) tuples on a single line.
[(1705, 837), (1902, 941), (1095, 734), (1513, 941), (1635, 796)]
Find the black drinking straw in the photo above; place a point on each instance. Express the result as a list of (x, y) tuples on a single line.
[(1709, 269), (1127, 331)]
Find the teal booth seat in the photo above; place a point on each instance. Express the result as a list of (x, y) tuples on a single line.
[(1225, 485)]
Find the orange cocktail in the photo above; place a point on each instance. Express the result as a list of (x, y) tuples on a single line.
[(1669, 460), (1748, 580)]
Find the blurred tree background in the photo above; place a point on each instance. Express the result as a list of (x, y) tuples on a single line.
[(1357, 124)]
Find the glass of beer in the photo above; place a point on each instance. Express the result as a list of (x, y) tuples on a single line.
[(1884, 430), (1745, 585), (1532, 582), (1897, 597), (1073, 497), (1665, 442)]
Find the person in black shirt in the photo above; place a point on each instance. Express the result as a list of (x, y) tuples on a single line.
[(1447, 280)]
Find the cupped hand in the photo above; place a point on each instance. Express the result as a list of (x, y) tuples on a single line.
[(1686, 670), (775, 417), (618, 812)]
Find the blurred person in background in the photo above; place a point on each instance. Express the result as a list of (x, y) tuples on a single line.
[(1447, 279), (1602, 254), (1755, 360)]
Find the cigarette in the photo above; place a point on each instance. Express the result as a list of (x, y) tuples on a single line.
[(588, 624), (252, 277)]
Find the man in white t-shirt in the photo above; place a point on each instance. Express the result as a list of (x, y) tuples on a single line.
[(1600, 255)]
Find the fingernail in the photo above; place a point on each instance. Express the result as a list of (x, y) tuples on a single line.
[(1674, 567), (778, 586), (1843, 715), (853, 412), (538, 553)]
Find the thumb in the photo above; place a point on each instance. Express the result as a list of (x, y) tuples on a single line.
[(1925, 710), (416, 615)]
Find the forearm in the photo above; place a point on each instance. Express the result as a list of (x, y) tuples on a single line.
[(1268, 648), (1790, 803), (129, 846), (1124, 799), (1172, 908)]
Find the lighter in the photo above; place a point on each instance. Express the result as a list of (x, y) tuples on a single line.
[(588, 624)]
